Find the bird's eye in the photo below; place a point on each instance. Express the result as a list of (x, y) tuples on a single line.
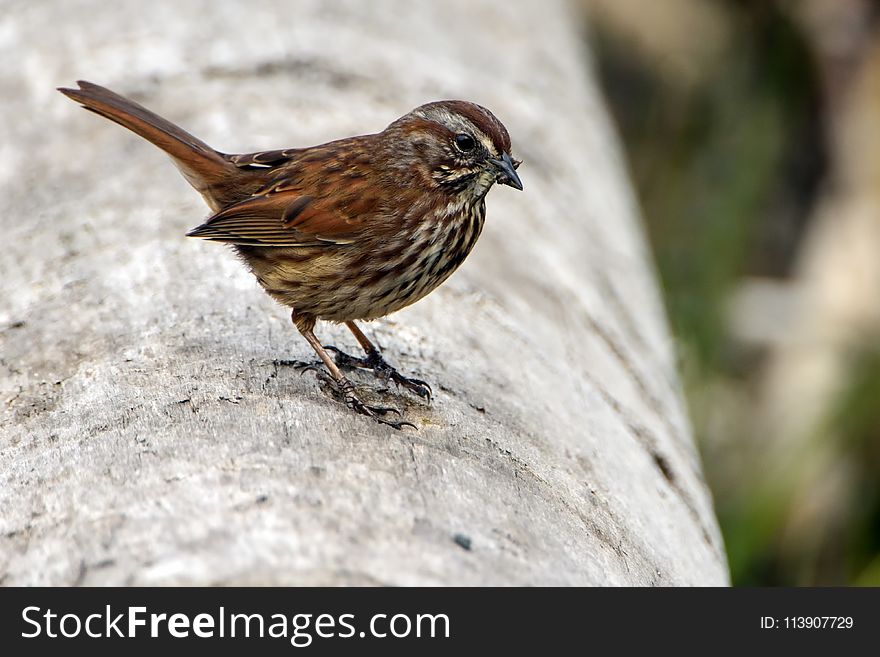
[(465, 143)]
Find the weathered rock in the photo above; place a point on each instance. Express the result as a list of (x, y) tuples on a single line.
[(147, 436)]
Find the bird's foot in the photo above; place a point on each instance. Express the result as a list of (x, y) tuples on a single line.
[(301, 365), (345, 391), (381, 369)]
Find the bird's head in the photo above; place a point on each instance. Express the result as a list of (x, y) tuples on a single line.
[(459, 147)]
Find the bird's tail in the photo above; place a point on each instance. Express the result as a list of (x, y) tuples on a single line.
[(206, 169)]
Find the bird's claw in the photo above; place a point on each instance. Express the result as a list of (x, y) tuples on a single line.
[(416, 386), (300, 365), (346, 391), (382, 370), (346, 361)]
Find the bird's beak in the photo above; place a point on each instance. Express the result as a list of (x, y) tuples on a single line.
[(507, 171)]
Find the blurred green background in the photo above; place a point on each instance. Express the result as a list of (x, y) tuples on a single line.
[(753, 135)]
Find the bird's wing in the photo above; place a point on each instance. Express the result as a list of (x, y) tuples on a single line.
[(263, 159), (283, 215)]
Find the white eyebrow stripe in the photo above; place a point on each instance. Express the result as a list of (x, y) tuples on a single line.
[(458, 123)]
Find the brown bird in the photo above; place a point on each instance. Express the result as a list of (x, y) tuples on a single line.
[(350, 230)]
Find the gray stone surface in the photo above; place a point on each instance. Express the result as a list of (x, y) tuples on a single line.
[(146, 436)]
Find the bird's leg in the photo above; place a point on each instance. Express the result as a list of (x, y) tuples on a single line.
[(342, 385), (373, 361)]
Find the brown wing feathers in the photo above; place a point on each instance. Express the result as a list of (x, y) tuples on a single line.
[(255, 200), (280, 219), (257, 221)]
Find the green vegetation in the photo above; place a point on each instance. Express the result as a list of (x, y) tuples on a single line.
[(728, 169)]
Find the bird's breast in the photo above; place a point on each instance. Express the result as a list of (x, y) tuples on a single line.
[(373, 277), (426, 253)]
